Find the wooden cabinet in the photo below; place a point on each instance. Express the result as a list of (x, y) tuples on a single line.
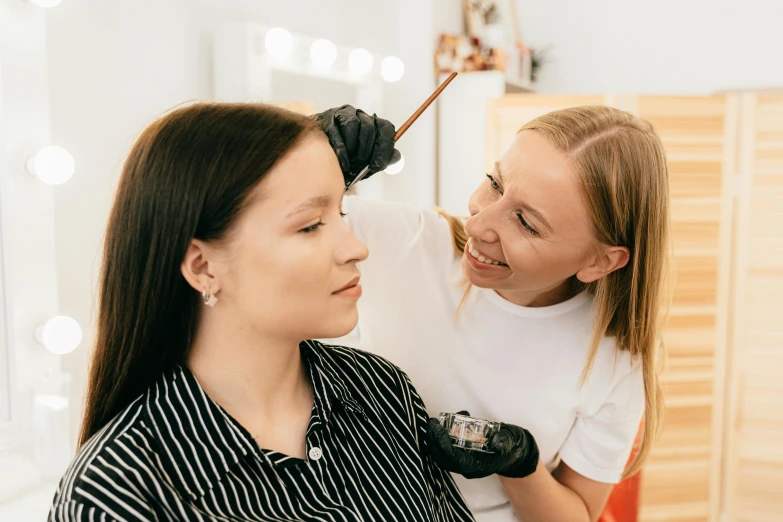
[(721, 449)]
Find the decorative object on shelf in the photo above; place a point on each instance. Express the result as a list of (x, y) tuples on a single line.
[(477, 15), (487, 46), (520, 69), (538, 58), (458, 53)]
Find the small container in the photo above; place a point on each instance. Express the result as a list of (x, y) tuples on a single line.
[(468, 432)]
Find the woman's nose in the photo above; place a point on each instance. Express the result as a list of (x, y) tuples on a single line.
[(482, 222), (350, 250)]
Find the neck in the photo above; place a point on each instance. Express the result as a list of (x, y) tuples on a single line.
[(252, 374), (538, 298)]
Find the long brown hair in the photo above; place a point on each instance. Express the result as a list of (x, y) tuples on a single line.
[(621, 165), (188, 176)]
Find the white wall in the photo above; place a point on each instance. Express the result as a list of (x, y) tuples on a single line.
[(28, 261), (664, 47), (114, 66)]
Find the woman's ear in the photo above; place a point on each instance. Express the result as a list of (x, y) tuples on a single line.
[(605, 262), (196, 270)]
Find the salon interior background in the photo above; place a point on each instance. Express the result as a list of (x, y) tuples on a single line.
[(95, 72)]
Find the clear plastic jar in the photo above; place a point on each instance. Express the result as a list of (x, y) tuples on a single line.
[(468, 432)]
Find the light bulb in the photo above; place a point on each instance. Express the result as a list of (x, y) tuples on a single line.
[(392, 69), (360, 62), (323, 53), (279, 43), (46, 3), (53, 165), (396, 167), (61, 334)]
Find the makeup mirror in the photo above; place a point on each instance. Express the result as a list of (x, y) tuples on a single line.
[(254, 62)]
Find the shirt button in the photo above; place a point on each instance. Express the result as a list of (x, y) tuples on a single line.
[(315, 453)]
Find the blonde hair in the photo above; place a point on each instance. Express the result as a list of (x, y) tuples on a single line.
[(621, 167)]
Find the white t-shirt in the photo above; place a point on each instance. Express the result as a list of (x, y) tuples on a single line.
[(498, 360)]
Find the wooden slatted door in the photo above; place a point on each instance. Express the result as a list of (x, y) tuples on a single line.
[(754, 478), (680, 482)]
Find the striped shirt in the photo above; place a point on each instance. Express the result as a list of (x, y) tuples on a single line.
[(174, 454)]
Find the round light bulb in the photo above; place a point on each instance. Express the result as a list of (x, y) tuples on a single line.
[(323, 53), (360, 62), (279, 43), (61, 334), (392, 69), (53, 165), (396, 168), (46, 3)]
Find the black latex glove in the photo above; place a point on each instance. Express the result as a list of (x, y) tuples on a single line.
[(359, 140), (515, 453)]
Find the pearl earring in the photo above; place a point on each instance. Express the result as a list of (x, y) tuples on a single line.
[(209, 299)]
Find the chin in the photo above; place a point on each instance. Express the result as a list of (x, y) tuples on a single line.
[(339, 326)]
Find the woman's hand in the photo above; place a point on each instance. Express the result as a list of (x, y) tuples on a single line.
[(359, 140), (515, 453)]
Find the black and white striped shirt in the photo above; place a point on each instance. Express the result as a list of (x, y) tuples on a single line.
[(174, 454)]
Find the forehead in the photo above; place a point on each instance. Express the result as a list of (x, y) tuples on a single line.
[(535, 173), (308, 170)]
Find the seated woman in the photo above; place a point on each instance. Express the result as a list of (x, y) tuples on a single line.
[(225, 251)]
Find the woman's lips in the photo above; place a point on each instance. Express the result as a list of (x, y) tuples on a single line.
[(481, 261), (353, 290)]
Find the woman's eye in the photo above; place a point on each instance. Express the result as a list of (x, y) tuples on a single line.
[(526, 225), (343, 214), (493, 182), (312, 228)]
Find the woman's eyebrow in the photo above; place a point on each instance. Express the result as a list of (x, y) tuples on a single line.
[(316, 202)]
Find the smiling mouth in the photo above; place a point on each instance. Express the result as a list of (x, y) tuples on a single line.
[(481, 257)]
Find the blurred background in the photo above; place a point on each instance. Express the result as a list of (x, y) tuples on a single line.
[(79, 79)]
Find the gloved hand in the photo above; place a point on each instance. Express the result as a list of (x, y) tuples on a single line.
[(359, 140), (515, 453)]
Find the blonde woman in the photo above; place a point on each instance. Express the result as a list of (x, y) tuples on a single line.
[(541, 310)]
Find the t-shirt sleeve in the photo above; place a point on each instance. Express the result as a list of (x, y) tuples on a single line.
[(395, 232), (448, 503), (600, 444)]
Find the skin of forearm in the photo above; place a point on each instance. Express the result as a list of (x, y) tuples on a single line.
[(541, 498)]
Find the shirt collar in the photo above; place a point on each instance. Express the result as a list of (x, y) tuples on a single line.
[(329, 385), (199, 442)]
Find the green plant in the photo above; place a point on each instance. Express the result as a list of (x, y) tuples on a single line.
[(538, 57)]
